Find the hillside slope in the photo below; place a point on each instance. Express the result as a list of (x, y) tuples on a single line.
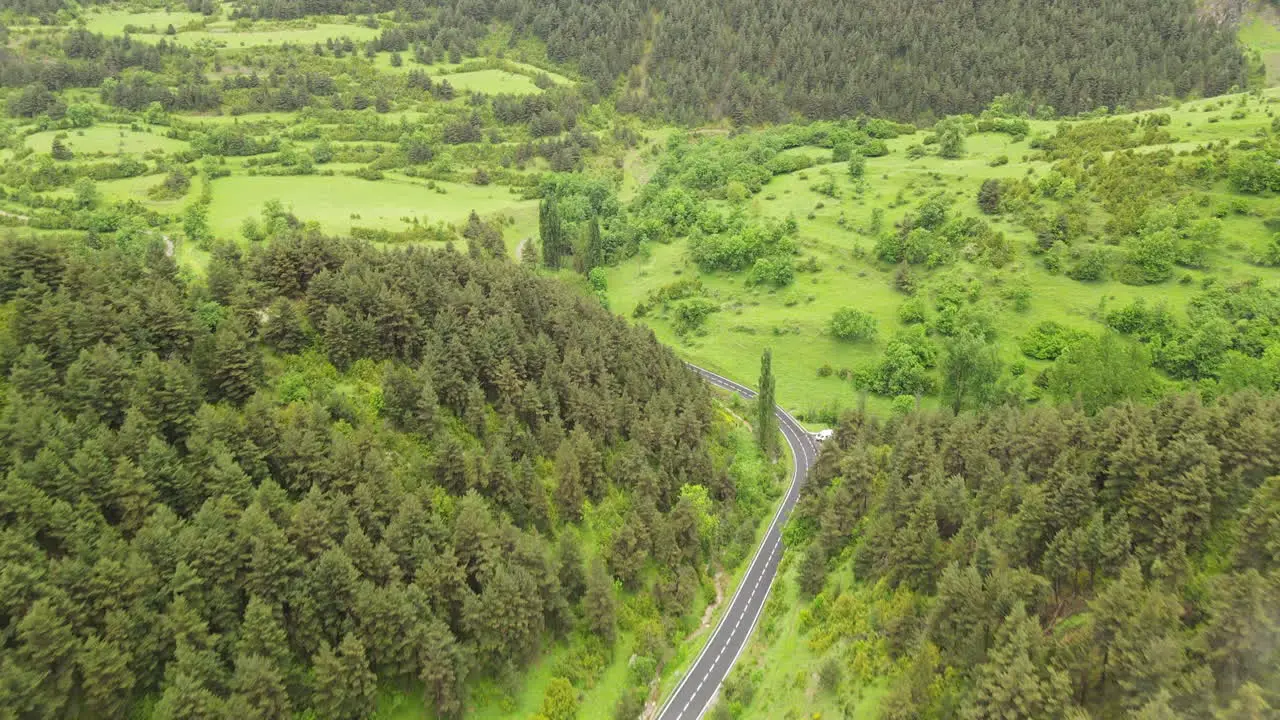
[(762, 61), (326, 469)]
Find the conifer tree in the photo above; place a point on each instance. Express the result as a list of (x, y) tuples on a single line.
[(261, 635), (570, 492), (600, 604), (344, 684), (59, 150), (813, 569), (283, 329), (1017, 681), (440, 668), (529, 253), (572, 578), (234, 365), (258, 690), (107, 681)]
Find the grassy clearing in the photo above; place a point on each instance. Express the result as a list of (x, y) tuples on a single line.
[(833, 231), (338, 203), (787, 666), (135, 188), (1260, 33), (492, 82), (639, 163), (382, 61), (113, 22), (488, 702), (107, 140), (224, 36), (283, 118)]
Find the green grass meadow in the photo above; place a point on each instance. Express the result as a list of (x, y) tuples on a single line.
[(226, 37), (114, 22), (338, 203), (832, 231), (511, 76), (1259, 32), (492, 82), (221, 33), (107, 139)]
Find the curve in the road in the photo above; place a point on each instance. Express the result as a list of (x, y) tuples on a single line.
[(693, 696)]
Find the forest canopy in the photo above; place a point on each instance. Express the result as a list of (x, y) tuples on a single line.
[(327, 467), (692, 61), (1047, 563)]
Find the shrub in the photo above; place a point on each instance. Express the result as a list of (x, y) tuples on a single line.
[(989, 196), (830, 674), (1143, 322), (932, 213), (1151, 257), (1048, 340), (631, 705), (740, 686), (903, 369), (1090, 265), (903, 404), (1017, 128), (738, 247), (852, 325), (776, 270), (951, 134), (882, 129), (367, 173), (642, 670), (81, 115), (827, 187), (789, 162), (904, 280), (175, 185), (690, 314), (875, 148), (1269, 255), (1254, 173), (1019, 295), (911, 312), (1202, 237), (59, 150), (598, 280), (857, 166)]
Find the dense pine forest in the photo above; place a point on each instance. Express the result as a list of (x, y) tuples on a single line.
[(754, 62), (1049, 564), (325, 467), (761, 62)]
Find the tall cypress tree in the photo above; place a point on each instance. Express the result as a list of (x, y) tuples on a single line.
[(551, 231), (593, 246), (766, 421)]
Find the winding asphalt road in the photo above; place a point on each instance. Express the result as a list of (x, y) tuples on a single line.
[(698, 688)]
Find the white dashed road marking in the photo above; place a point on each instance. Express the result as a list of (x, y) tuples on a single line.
[(803, 450)]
